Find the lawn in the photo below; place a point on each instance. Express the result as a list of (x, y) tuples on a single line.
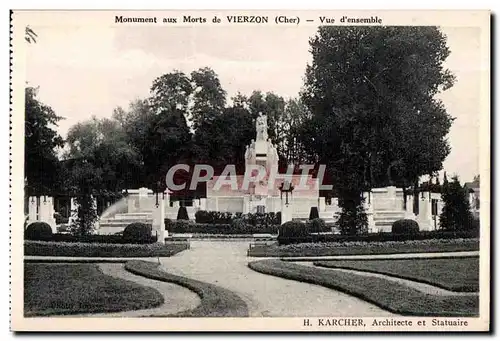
[(64, 289), (455, 274), (388, 295), (364, 248), (215, 301), (71, 249)]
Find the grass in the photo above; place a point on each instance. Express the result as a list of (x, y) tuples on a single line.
[(64, 289), (215, 301), (364, 248), (455, 274), (394, 297), (63, 249)]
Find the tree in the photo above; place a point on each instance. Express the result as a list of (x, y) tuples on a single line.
[(209, 98), (371, 94), (456, 214), (171, 92), (41, 144)]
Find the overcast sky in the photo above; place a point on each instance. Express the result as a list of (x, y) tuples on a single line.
[(85, 71)]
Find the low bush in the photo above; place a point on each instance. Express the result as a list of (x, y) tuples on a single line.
[(293, 229), (38, 231), (58, 249), (238, 226), (182, 214), (137, 232), (318, 225), (405, 226)]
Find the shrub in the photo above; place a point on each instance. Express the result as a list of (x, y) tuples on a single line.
[(318, 225), (278, 218), (203, 217), (56, 249), (38, 231), (293, 229), (137, 232), (405, 226), (313, 214), (182, 214), (238, 226), (456, 213)]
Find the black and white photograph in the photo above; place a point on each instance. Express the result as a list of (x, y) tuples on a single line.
[(250, 170)]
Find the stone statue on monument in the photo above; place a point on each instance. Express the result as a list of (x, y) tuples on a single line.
[(261, 127)]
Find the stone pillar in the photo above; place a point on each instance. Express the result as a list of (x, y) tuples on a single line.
[(286, 211), (409, 208), (246, 204), (217, 204), (369, 216), (424, 217), (322, 204), (46, 212), (159, 220), (203, 204), (32, 209)]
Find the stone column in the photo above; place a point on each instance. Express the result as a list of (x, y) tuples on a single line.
[(424, 217), (46, 212), (159, 220), (203, 204), (286, 211), (409, 208), (322, 204), (246, 204), (32, 210)]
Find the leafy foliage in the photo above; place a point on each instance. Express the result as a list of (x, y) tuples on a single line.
[(41, 144), (137, 233), (375, 120), (456, 214)]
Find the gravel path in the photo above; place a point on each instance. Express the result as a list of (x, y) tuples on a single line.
[(422, 287), (177, 298), (225, 264)]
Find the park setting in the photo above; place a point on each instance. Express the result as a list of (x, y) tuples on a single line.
[(338, 182)]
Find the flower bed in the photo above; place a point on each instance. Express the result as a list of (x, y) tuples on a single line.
[(61, 249)]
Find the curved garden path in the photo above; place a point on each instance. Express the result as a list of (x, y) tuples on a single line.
[(177, 298), (224, 263)]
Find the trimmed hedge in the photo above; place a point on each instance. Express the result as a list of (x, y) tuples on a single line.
[(96, 238), (56, 249), (405, 226), (380, 237), (137, 233), (237, 227), (38, 231)]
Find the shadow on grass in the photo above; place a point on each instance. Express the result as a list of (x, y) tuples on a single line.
[(215, 301), (393, 297)]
